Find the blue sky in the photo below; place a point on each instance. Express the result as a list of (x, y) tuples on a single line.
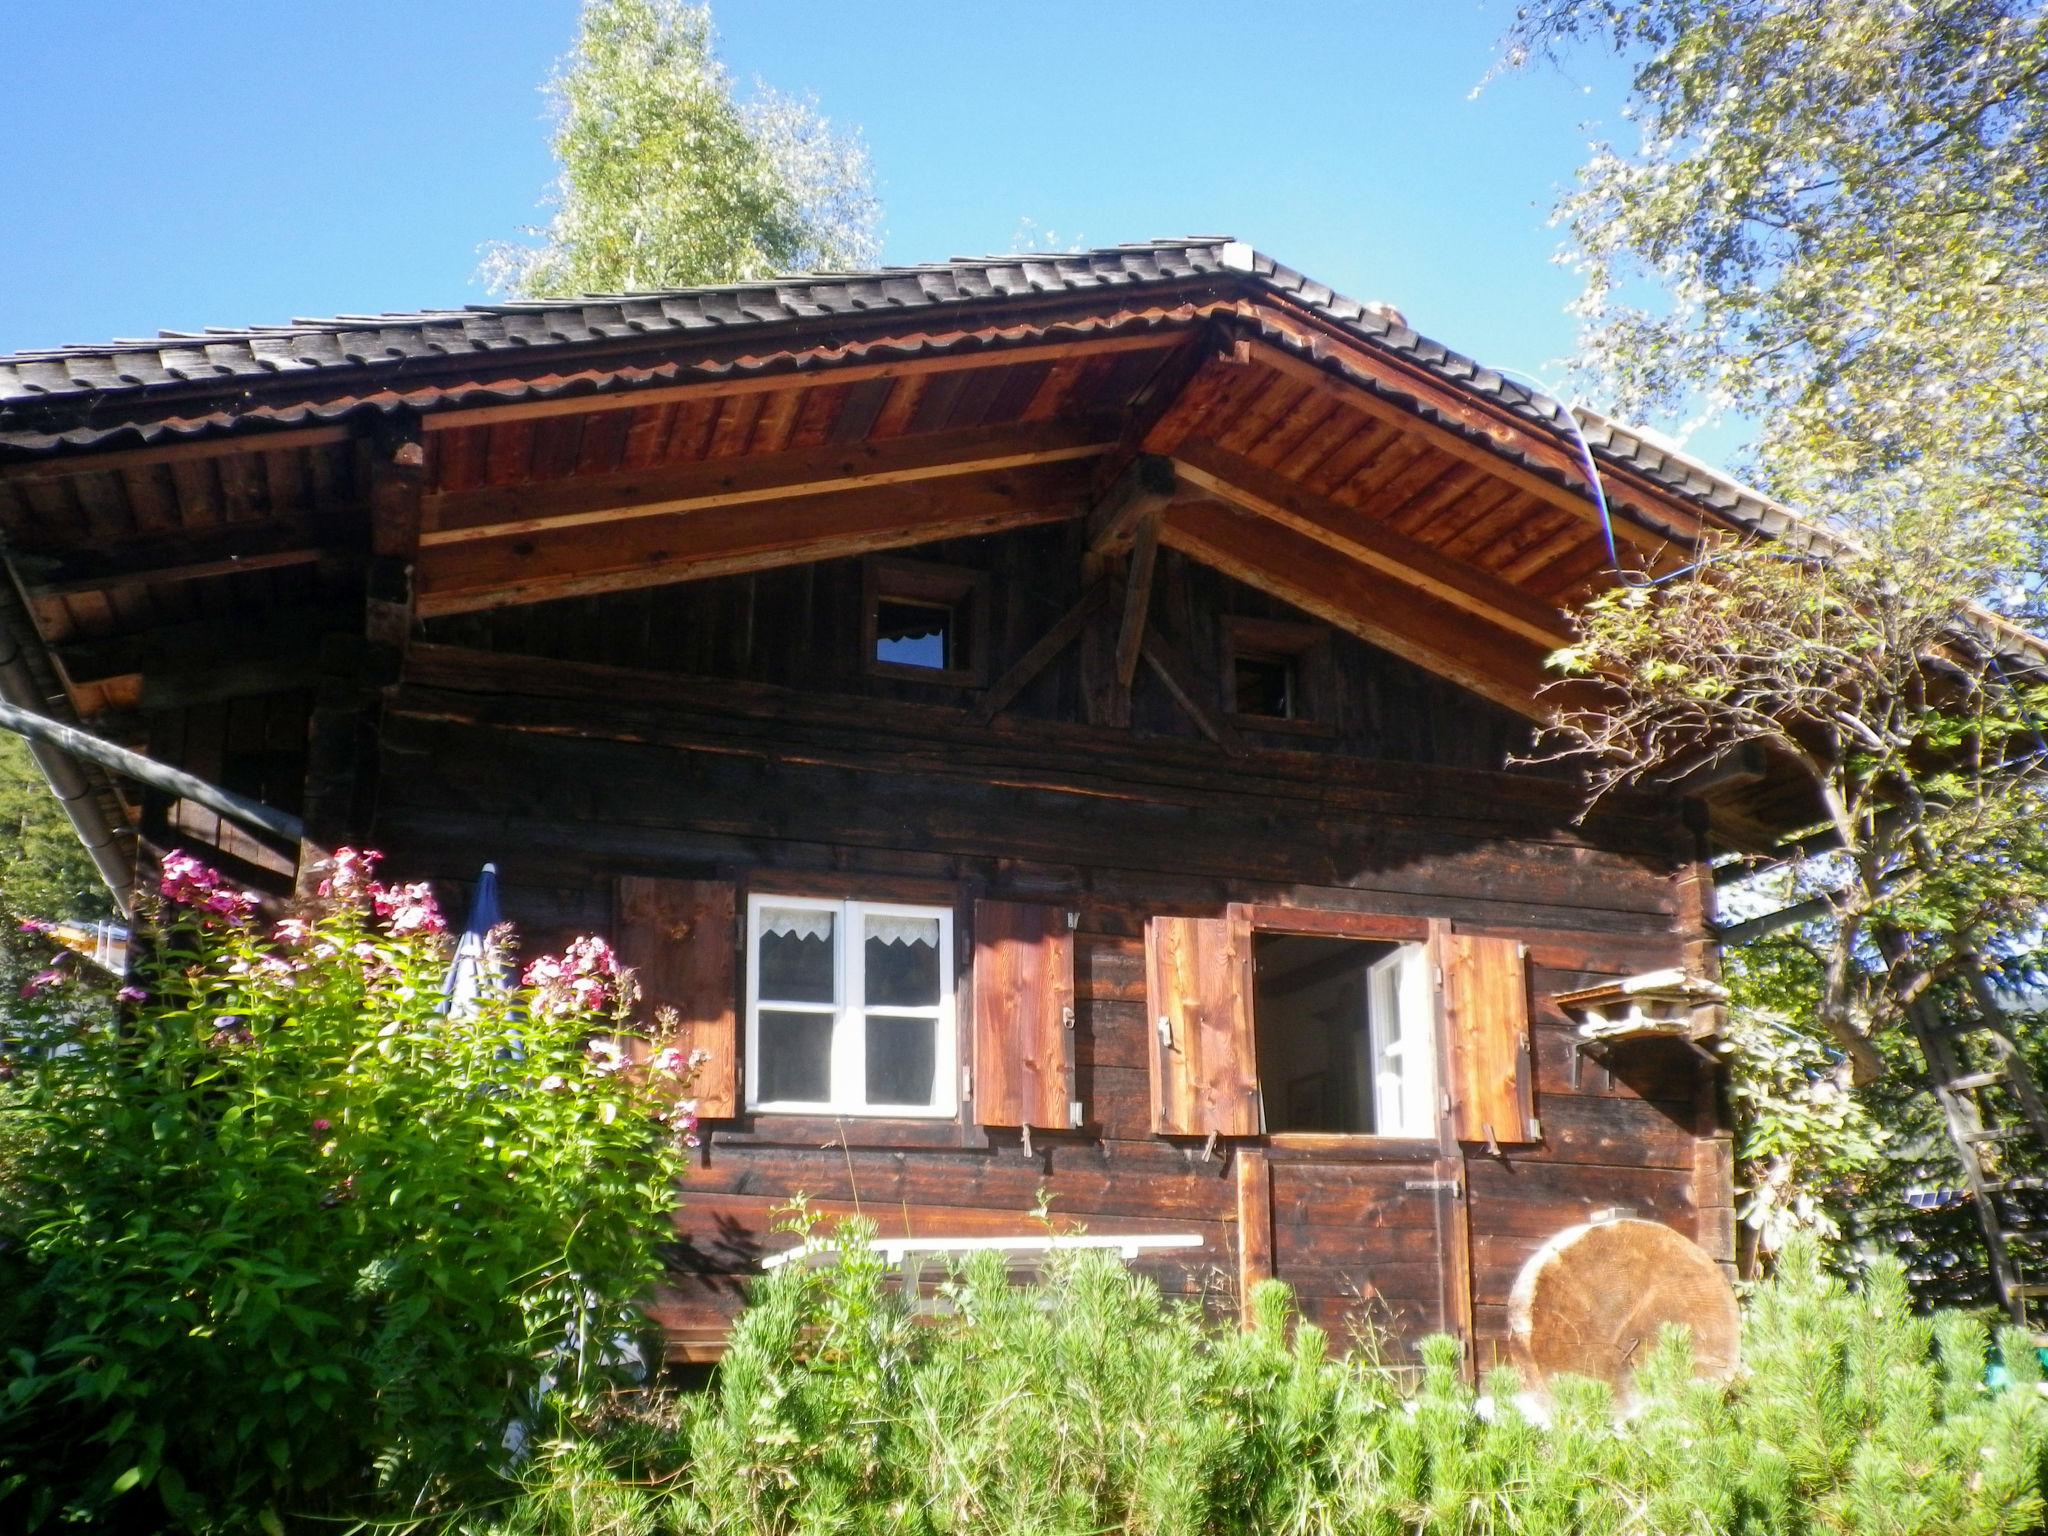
[(176, 166)]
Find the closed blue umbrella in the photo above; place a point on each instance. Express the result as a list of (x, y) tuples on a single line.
[(475, 968)]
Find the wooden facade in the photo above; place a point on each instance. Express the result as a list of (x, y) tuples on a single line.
[(607, 611)]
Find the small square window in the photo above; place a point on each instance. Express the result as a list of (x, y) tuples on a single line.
[(849, 1007), (1344, 1033), (926, 623), (1267, 686), (1276, 675)]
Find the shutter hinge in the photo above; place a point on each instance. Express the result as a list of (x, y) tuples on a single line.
[(967, 1082), (1074, 1114), (1067, 1015), (1166, 1031), (1073, 921)]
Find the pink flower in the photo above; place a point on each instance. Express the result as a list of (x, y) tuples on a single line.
[(42, 981), (606, 1057), (188, 883), (554, 1082), (293, 930), (409, 908), (349, 873), (322, 1126), (36, 925), (131, 995), (669, 1061)]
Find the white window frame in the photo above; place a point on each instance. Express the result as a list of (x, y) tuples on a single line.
[(849, 1012), (1403, 1068)]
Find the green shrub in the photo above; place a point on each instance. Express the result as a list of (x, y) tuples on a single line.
[(284, 1237), (1086, 1403)]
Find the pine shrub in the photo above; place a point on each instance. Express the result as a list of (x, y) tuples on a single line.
[(1085, 1402)]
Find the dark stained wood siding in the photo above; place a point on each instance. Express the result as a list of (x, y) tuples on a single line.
[(759, 752)]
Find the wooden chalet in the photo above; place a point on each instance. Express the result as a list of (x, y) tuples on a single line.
[(1044, 723)]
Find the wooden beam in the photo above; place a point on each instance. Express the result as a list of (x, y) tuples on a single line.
[(1137, 598), (280, 638), (1357, 536), (1180, 680), (1668, 531), (114, 460), (724, 541), (1254, 1226), (1144, 487), (1363, 602), (824, 372), (397, 484), (191, 556), (1065, 629), (585, 500)]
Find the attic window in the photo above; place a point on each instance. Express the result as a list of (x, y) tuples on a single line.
[(1277, 674), (926, 622)]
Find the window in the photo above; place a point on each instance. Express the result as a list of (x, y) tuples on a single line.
[(849, 1007), (1344, 1035), (926, 622), (1277, 673)]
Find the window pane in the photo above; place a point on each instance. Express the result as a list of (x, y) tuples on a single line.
[(796, 955), (902, 1060), (796, 1057), (914, 634), (1264, 685), (902, 962)]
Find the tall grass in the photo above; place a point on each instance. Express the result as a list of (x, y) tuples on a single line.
[(1084, 1402)]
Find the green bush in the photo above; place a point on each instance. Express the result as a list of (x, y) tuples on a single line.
[(1085, 1403), (283, 1237)]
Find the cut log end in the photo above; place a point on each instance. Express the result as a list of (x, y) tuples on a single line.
[(1593, 1300)]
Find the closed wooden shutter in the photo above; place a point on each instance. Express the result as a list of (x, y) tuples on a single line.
[(1023, 1015), (1486, 1017), (680, 937), (1198, 989)]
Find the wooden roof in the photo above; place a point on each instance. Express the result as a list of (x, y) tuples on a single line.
[(1297, 440)]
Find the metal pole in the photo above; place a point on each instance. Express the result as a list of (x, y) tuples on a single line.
[(133, 765)]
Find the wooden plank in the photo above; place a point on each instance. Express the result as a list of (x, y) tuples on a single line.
[(1199, 997), (1485, 989), (1137, 598), (682, 939), (586, 500), (1650, 531), (1363, 602), (1023, 1015), (94, 461), (1146, 485), (1173, 671), (1063, 633), (1242, 483), (397, 481), (825, 371), (726, 540), (1254, 1225)]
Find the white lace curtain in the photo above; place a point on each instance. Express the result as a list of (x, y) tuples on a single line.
[(816, 923)]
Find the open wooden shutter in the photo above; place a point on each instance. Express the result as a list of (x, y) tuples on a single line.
[(1486, 1017), (1023, 1015), (1198, 990), (680, 937)]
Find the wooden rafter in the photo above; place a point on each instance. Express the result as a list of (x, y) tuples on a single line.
[(1137, 598), (729, 539), (1360, 600), (456, 517), (1146, 484), (1236, 480), (1650, 530)]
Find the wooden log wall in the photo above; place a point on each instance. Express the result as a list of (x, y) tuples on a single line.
[(726, 731)]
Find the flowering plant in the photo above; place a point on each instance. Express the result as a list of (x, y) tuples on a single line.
[(294, 1226)]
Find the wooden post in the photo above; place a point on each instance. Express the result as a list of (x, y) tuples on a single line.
[(394, 458), (1254, 1225)]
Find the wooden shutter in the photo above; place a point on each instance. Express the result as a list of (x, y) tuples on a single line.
[(1023, 1015), (680, 937), (1486, 1022), (1198, 991)]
